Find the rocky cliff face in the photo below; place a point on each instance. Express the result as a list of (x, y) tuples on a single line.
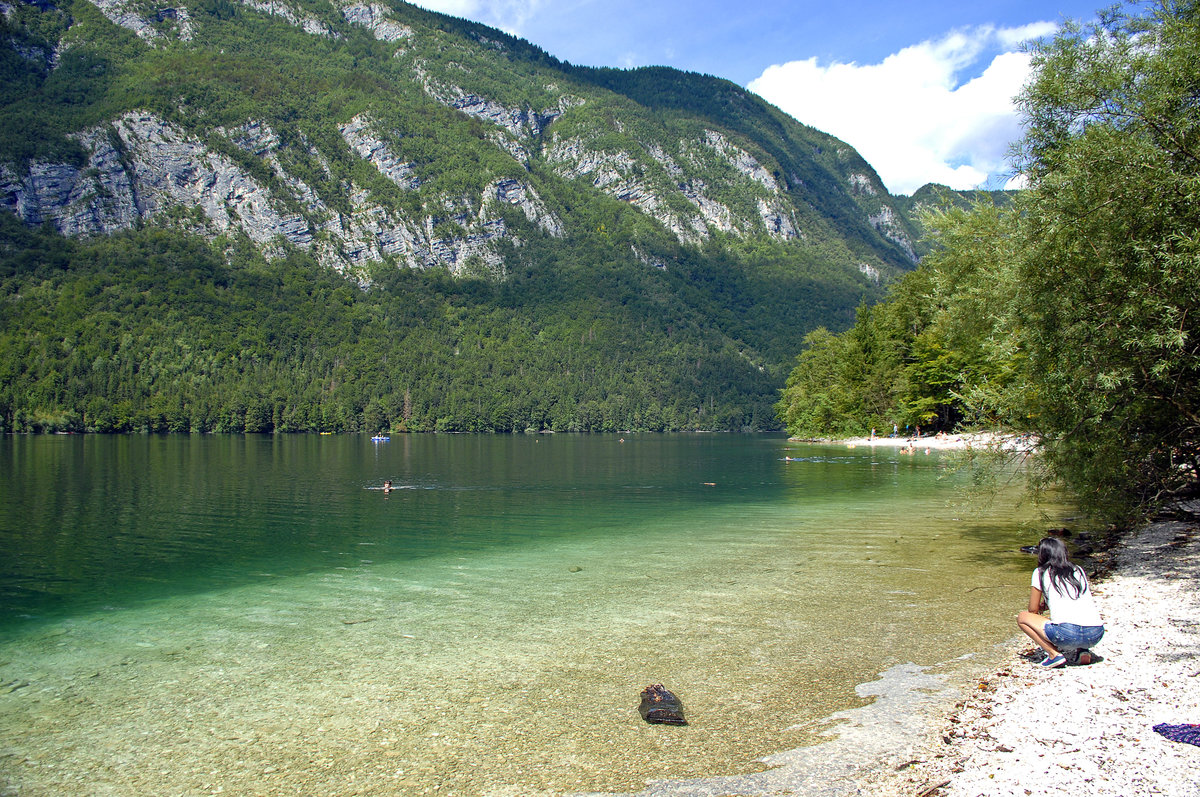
[(694, 180), (142, 168), (157, 27), (674, 189)]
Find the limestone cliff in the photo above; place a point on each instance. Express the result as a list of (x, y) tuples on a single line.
[(143, 168)]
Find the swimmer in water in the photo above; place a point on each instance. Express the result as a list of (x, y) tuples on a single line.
[(387, 486)]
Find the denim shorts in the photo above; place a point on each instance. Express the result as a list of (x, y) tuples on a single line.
[(1068, 636)]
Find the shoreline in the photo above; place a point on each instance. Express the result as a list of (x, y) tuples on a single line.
[(1089, 730), (1003, 726), (965, 441)]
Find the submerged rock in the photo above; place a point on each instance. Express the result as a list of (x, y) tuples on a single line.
[(660, 705)]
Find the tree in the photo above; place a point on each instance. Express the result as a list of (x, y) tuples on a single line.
[(1109, 272), (814, 400), (936, 353)]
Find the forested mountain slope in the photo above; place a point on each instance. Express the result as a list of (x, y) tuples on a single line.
[(305, 215)]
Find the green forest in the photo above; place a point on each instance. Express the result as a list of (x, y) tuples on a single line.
[(1070, 315), (152, 331)]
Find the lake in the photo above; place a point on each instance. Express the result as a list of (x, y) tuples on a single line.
[(253, 614)]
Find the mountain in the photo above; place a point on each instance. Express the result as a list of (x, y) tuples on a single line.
[(194, 186)]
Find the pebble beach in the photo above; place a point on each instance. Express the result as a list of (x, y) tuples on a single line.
[(945, 442), (1021, 730)]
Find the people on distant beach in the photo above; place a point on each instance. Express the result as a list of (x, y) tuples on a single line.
[(1075, 624)]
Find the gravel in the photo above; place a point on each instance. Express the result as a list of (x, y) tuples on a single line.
[(1086, 729)]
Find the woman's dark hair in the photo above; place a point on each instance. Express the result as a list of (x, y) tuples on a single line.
[(1067, 578)]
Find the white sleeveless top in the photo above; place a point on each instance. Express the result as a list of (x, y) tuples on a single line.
[(1079, 610)]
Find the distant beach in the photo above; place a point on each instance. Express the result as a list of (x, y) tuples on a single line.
[(937, 442)]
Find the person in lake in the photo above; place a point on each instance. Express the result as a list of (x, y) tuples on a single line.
[(387, 486), (1075, 624)]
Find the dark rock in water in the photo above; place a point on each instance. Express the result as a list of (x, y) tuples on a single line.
[(1029, 549), (660, 705)]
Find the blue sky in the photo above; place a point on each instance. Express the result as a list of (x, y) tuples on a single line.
[(922, 89)]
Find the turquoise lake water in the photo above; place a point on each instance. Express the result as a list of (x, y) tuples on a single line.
[(194, 615)]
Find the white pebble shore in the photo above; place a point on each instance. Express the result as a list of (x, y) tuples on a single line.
[(1087, 729)]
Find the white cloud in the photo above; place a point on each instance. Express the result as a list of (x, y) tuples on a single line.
[(508, 15), (910, 116), (1012, 38)]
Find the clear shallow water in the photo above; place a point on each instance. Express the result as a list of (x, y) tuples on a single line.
[(251, 614)]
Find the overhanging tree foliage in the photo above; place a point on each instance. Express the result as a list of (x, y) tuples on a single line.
[(1109, 272)]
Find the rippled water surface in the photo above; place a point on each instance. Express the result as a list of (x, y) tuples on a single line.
[(191, 615)]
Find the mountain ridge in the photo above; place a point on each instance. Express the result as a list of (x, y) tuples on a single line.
[(366, 138), (676, 186)]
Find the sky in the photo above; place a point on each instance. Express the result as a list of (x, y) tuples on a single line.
[(922, 89)]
